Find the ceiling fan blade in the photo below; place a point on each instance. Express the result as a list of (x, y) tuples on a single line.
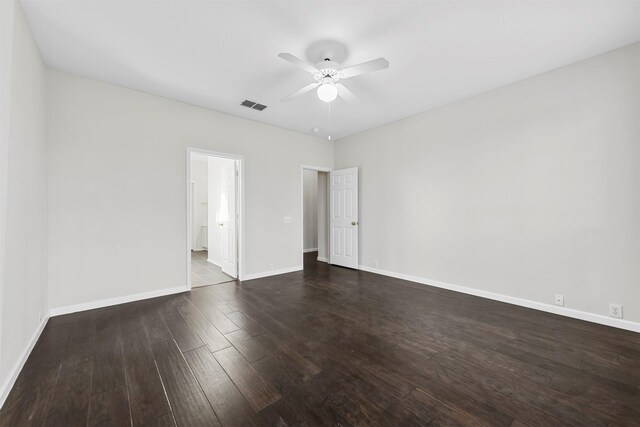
[(365, 67), (302, 91), (346, 94), (299, 62)]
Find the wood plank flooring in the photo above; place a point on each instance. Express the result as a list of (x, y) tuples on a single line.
[(327, 346)]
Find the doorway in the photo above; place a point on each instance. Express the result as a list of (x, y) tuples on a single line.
[(330, 212), (214, 218), (315, 215)]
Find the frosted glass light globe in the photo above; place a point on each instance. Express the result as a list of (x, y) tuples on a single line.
[(327, 92)]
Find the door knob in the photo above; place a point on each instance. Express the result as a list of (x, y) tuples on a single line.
[(354, 222)]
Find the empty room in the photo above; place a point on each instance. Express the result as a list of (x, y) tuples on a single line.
[(319, 213)]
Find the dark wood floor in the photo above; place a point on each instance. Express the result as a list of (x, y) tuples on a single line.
[(327, 346)]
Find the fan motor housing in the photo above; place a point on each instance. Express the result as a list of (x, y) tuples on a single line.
[(329, 72)]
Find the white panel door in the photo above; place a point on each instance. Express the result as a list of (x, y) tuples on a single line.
[(228, 220), (343, 222)]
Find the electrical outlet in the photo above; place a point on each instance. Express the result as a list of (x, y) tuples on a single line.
[(560, 300), (286, 220), (375, 263), (615, 310), (40, 315), (270, 267)]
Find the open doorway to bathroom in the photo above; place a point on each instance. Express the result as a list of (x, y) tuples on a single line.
[(214, 213)]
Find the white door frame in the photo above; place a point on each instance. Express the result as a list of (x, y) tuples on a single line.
[(302, 169), (239, 208)]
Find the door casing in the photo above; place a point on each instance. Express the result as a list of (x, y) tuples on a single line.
[(329, 207), (240, 224), (302, 169)]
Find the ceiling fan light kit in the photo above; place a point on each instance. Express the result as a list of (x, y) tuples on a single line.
[(327, 92)]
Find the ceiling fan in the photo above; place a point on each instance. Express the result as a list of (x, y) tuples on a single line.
[(327, 75)]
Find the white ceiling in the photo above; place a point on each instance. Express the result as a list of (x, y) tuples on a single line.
[(215, 54)]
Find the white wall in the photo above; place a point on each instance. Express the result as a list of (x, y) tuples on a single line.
[(215, 196), (23, 194), (310, 209), (323, 216), (117, 188), (200, 181), (6, 48), (528, 191)]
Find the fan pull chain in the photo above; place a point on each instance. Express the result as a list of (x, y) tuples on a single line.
[(329, 136)]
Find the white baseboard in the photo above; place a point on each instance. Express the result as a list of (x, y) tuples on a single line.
[(15, 371), (271, 273), (323, 259), (217, 264), (563, 311), (115, 301), (310, 250)]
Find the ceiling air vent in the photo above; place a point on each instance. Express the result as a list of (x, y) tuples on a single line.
[(253, 105)]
